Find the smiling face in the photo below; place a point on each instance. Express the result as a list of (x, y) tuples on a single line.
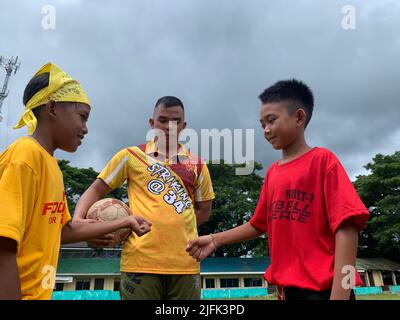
[(281, 127), (70, 125)]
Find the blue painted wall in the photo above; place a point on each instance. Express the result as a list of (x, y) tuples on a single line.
[(233, 293)]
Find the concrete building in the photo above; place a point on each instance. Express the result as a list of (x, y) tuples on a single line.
[(83, 268)]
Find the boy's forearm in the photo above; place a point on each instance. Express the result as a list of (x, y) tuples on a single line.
[(9, 274), (345, 255), (76, 232), (95, 192), (235, 235), (202, 211)]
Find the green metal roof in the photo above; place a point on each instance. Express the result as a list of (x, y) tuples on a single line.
[(377, 264), (69, 266), (88, 266), (209, 265), (234, 265)]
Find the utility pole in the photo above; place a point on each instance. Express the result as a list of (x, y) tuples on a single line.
[(10, 66)]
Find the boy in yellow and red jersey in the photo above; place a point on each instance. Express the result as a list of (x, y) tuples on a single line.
[(171, 188), (34, 216)]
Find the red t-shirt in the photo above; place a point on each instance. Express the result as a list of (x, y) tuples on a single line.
[(301, 206)]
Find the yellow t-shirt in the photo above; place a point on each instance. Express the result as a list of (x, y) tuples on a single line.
[(165, 194), (33, 210)]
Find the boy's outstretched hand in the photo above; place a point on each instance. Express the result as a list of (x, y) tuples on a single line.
[(139, 225), (201, 247)]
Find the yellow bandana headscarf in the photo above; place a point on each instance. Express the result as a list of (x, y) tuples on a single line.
[(61, 88)]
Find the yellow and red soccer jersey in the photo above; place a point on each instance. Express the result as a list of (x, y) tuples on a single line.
[(33, 210), (164, 193)]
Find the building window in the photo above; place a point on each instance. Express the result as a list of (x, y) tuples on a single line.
[(210, 283), (387, 278), (116, 284), (59, 287), (362, 276), (371, 279), (272, 289), (82, 284), (229, 283), (397, 276), (98, 284), (252, 282)]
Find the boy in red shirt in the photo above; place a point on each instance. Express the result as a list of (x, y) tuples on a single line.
[(308, 206)]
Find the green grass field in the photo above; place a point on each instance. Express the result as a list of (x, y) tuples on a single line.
[(383, 296)]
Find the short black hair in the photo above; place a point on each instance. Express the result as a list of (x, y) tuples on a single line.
[(291, 90), (169, 101), (35, 85)]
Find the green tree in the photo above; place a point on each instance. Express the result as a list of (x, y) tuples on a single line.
[(236, 199), (77, 180), (380, 192)]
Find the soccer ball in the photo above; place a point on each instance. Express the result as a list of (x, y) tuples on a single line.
[(109, 210)]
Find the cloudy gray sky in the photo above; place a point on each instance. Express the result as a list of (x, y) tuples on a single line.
[(217, 56)]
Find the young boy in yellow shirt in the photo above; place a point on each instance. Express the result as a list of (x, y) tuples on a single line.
[(34, 216)]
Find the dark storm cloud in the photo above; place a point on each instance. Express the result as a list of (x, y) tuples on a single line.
[(217, 56)]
